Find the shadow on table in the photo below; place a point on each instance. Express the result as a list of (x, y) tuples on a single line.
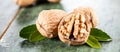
[(29, 14), (55, 45), (49, 45)]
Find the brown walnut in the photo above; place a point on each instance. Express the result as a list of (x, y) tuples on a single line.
[(24, 3), (48, 21), (74, 28), (54, 1)]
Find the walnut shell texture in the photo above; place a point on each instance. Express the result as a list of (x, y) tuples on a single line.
[(91, 14), (48, 21), (75, 27)]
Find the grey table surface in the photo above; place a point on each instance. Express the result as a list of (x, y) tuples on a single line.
[(107, 11), (7, 10)]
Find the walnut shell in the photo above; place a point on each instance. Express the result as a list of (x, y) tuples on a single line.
[(24, 3), (75, 27), (47, 22), (91, 14), (54, 1)]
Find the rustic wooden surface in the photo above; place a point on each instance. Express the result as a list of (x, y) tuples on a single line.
[(107, 12)]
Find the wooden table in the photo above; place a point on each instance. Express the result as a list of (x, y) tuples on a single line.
[(12, 20)]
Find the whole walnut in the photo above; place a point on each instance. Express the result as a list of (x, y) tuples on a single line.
[(48, 21), (54, 1), (74, 28), (24, 3)]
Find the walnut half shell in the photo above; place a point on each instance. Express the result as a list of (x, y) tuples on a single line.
[(75, 27), (48, 21)]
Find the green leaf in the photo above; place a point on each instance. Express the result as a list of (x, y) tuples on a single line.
[(93, 42), (26, 31), (100, 35), (35, 36), (31, 33)]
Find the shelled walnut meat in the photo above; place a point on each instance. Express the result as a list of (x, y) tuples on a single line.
[(48, 21), (74, 28)]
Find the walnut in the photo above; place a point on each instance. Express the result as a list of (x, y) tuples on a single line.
[(75, 27), (24, 2), (91, 14), (54, 1), (47, 22)]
